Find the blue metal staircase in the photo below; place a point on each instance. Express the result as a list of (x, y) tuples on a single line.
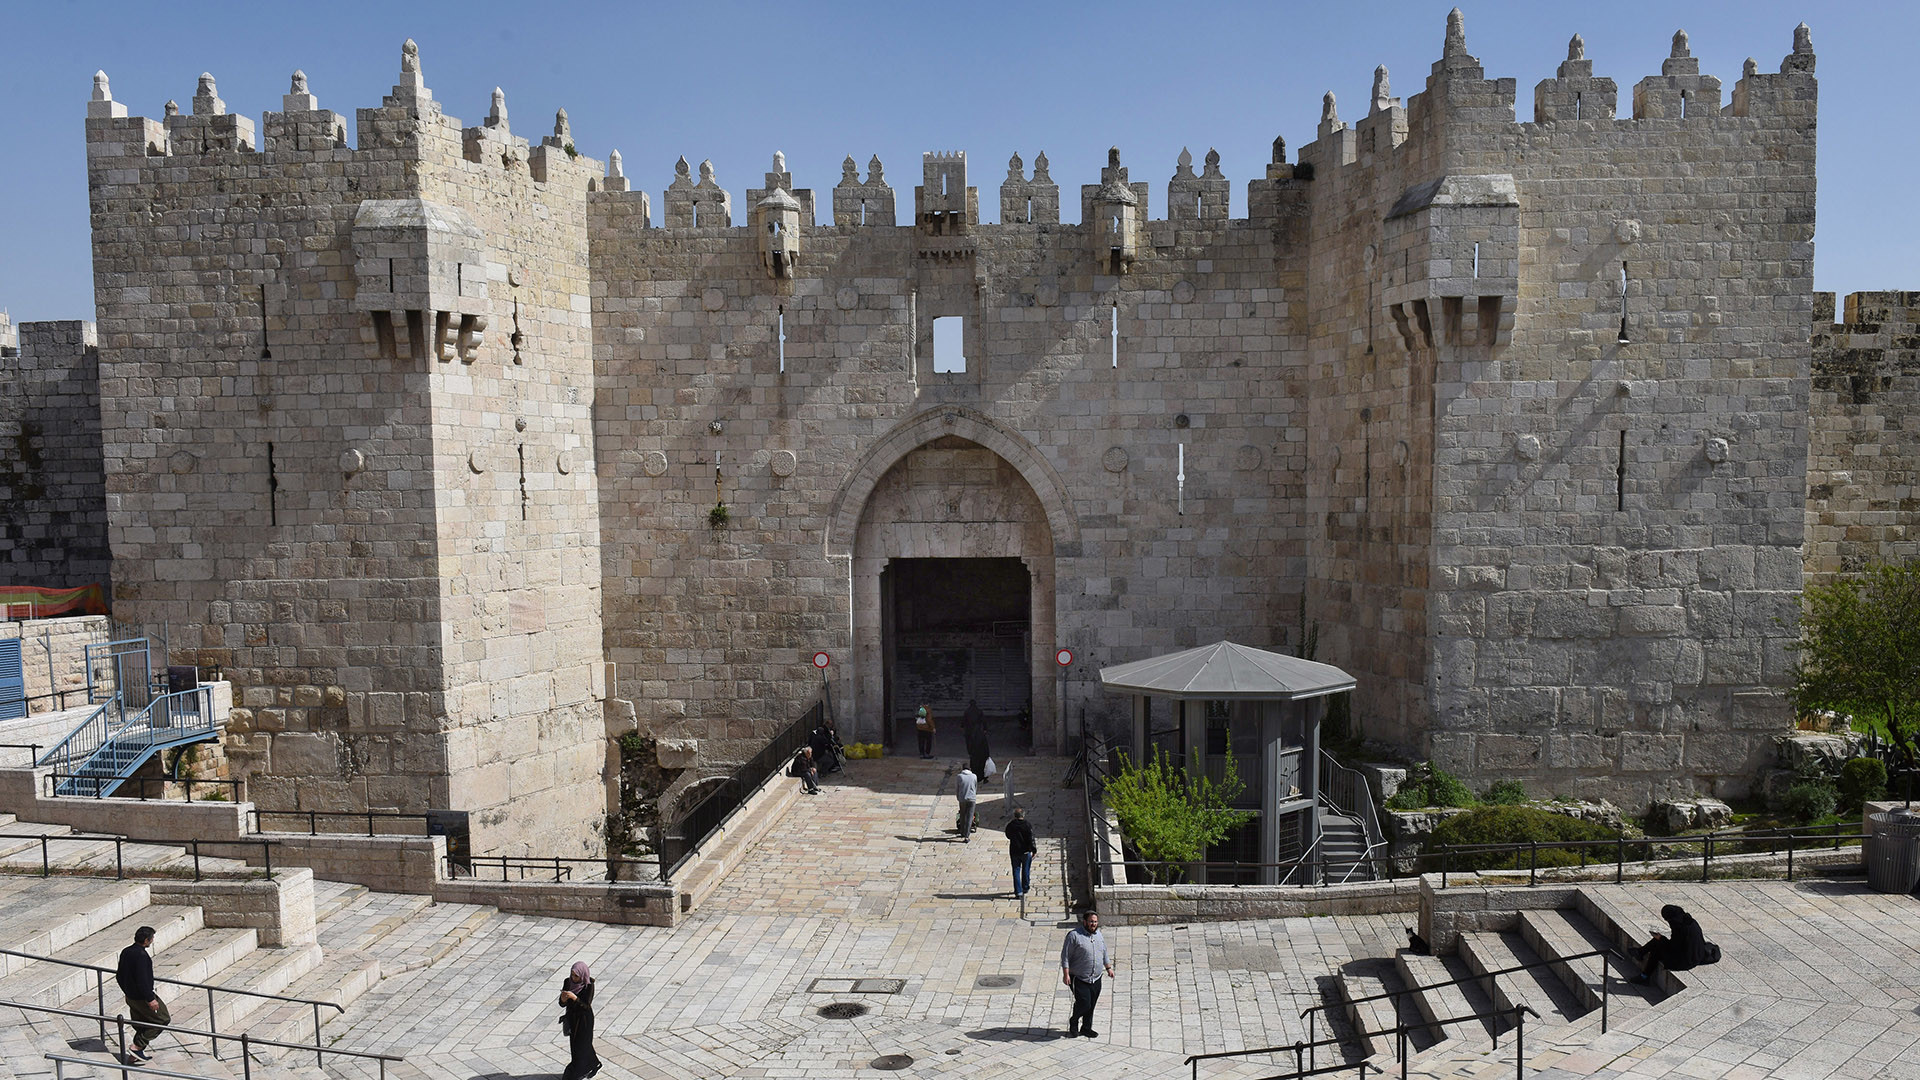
[(113, 741)]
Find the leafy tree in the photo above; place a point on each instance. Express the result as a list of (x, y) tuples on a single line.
[(1170, 816), (1860, 653)]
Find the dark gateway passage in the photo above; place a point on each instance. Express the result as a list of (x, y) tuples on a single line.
[(957, 630)]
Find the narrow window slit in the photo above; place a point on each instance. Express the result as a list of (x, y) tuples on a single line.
[(1620, 474), (1623, 304), (1683, 104), (1113, 334), (783, 340), (522, 448), (1476, 259), (1576, 106), (265, 352), (273, 489)]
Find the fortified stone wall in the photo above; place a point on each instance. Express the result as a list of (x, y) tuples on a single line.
[(1863, 505), (1615, 539), (53, 520), (314, 448), (1520, 410)]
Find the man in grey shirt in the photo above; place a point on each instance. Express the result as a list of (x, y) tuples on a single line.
[(1083, 960), (966, 789)]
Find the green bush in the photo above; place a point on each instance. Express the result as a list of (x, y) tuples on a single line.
[(1862, 780), (1505, 793), (1810, 800), (1516, 825), (1428, 784)]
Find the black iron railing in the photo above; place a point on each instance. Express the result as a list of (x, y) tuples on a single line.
[(552, 868), (680, 840), (1302, 1049), (247, 1042), (1652, 849), (213, 1017), (314, 818), (33, 750), (95, 787), (119, 852)]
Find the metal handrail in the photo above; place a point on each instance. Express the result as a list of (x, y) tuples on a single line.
[(561, 866), (1606, 986), (247, 1042), (53, 779), (119, 850), (61, 1061), (1360, 795), (1520, 1013), (691, 829), (313, 819), (173, 982), (1812, 838), (63, 747), (33, 750)]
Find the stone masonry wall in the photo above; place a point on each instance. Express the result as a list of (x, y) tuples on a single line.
[(1863, 467), (324, 515), (53, 505), (54, 653)]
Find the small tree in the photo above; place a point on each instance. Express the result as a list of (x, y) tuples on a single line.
[(1860, 653), (1172, 817)]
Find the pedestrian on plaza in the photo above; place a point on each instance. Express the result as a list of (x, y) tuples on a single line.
[(1020, 848), (1685, 948), (576, 997), (804, 768), (923, 730), (827, 752), (973, 725), (1083, 960), (135, 978), (966, 790)]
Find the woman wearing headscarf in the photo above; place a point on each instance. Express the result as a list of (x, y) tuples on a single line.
[(1685, 946), (576, 997)]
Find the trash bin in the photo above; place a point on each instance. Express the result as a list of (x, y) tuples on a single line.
[(1893, 852)]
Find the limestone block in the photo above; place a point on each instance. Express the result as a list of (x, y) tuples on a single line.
[(298, 754), (1643, 752), (1384, 778), (677, 753), (1815, 750)]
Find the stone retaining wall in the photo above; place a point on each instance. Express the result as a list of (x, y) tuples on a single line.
[(278, 909)]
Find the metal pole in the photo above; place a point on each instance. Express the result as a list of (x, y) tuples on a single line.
[(46, 869), (1297, 1051), (196, 859), (1519, 1044), (122, 1022), (1533, 860), (1400, 1044), (100, 1002), (1313, 1052), (1606, 990), (1789, 856), (1619, 858), (1706, 860), (119, 866), (246, 1058), (319, 1058), (1446, 856)]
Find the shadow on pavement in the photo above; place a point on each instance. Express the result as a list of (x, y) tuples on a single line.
[(1018, 1034)]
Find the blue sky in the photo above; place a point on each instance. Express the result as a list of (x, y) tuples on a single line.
[(735, 82)]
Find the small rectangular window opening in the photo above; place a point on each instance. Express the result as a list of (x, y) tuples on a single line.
[(949, 344), (1576, 106), (1476, 258), (943, 183), (1114, 335), (1199, 205), (782, 334), (1683, 104), (863, 211)]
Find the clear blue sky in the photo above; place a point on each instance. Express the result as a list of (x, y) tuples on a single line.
[(735, 82)]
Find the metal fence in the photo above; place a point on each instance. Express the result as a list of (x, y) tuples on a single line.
[(681, 839)]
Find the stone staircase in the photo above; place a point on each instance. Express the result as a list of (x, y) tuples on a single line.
[(1565, 990), (89, 919)]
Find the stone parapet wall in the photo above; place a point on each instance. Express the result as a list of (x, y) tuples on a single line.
[(1863, 461), (53, 504)]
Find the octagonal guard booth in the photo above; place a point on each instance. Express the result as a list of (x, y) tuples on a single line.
[(1266, 708)]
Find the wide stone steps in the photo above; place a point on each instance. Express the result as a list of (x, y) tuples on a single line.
[(1538, 988), (49, 916), (55, 984), (1437, 1002), (262, 970), (340, 978), (1372, 1020), (1558, 935)]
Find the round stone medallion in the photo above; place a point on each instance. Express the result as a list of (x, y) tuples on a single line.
[(654, 463), (476, 461), (713, 299), (181, 463), (1527, 446), (1247, 458), (563, 461), (1047, 294), (1115, 459), (1183, 293), (783, 462), (847, 297), (1717, 450)]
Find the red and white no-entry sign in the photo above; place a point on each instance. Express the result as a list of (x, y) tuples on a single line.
[(821, 660), (1064, 657)]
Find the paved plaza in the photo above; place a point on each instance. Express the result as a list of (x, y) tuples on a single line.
[(868, 881)]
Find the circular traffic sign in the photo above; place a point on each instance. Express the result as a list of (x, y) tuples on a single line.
[(1064, 657), (821, 660)]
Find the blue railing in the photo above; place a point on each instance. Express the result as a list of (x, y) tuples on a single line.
[(112, 742)]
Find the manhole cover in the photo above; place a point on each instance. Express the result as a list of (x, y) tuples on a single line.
[(996, 982), (843, 1010), (892, 1062), (879, 986)]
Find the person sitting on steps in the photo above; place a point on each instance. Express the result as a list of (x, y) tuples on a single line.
[(1685, 948)]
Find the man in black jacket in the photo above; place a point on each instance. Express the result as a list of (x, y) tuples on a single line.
[(1020, 848), (135, 977)]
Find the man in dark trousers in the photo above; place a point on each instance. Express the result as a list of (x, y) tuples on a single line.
[(135, 978), (973, 725), (1020, 848), (1083, 959)]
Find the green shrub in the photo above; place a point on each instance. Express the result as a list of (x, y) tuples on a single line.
[(1516, 825), (1171, 816), (1862, 780), (1429, 785), (1505, 793), (1810, 800)]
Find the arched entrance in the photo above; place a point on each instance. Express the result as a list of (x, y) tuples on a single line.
[(952, 577)]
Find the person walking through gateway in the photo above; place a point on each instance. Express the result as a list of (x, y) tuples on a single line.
[(135, 978), (576, 997), (1083, 960), (1020, 848), (973, 727), (966, 791), (923, 730)]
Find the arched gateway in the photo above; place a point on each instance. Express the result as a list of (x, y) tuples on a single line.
[(951, 523)]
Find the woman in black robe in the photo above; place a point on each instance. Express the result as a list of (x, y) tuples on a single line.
[(576, 996), (1683, 949)]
